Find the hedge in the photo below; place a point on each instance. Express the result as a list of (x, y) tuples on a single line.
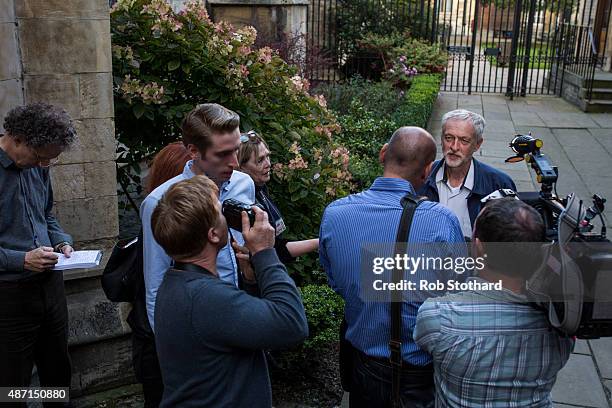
[(419, 101)]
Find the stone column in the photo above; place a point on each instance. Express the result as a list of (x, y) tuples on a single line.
[(59, 52), (66, 59), (11, 92)]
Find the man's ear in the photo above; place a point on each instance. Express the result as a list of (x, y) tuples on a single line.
[(213, 236), (477, 247), (383, 152), (194, 152), (426, 171)]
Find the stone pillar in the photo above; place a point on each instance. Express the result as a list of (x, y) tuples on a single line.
[(11, 92), (608, 51), (59, 52), (271, 18)]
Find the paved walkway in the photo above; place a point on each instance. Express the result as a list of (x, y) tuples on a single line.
[(580, 144)]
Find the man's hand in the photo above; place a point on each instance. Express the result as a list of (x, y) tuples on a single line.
[(261, 235), (67, 250), (40, 259), (243, 257)]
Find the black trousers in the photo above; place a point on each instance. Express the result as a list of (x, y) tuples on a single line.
[(371, 384), (34, 330), (146, 368)]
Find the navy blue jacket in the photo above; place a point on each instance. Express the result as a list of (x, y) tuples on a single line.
[(486, 180)]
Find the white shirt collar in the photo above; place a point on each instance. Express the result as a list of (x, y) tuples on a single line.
[(468, 182)]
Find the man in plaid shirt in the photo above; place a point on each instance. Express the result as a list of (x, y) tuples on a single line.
[(491, 347)]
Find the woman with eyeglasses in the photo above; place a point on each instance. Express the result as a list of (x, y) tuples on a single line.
[(254, 160)]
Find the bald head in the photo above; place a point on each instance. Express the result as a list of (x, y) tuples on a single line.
[(409, 153)]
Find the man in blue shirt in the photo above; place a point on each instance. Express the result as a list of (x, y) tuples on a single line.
[(33, 311), (212, 137), (373, 217)]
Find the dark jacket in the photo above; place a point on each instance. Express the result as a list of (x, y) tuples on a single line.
[(262, 197), (210, 335), (486, 180)]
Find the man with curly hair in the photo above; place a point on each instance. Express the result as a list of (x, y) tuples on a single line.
[(33, 311)]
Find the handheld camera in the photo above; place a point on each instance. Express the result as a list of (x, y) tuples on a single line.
[(232, 210)]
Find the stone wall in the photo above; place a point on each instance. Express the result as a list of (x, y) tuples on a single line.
[(272, 18), (59, 52)]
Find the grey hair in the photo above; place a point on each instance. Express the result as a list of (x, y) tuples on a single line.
[(40, 124), (477, 121)]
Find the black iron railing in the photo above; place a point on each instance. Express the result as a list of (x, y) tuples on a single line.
[(580, 55)]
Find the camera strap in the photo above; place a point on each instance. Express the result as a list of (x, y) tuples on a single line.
[(409, 203)]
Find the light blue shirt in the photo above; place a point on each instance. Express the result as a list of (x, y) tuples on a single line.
[(491, 348), (373, 216), (155, 260)]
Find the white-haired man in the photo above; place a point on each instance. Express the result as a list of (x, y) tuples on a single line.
[(459, 181)]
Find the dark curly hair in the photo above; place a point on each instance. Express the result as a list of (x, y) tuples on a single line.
[(40, 124)]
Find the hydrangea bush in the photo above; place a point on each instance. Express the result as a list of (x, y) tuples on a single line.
[(166, 62)]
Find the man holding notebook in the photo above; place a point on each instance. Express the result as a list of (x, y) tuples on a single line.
[(33, 311)]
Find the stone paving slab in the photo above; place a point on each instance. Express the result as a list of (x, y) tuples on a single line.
[(602, 351), (602, 119), (526, 119), (494, 100), (578, 384), (499, 126), (495, 108), (469, 100), (604, 137), (566, 120), (497, 115), (582, 347)]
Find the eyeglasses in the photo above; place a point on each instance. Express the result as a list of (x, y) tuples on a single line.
[(44, 161), (250, 136)]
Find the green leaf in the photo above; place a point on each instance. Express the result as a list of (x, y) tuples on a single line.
[(174, 64), (138, 110)]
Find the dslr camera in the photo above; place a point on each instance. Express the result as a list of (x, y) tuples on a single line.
[(574, 283), (232, 210)]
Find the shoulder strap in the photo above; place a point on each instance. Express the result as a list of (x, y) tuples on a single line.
[(409, 204)]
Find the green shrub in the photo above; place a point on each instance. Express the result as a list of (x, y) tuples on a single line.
[(381, 98), (166, 62), (404, 57), (419, 101), (366, 127), (356, 19), (324, 311)]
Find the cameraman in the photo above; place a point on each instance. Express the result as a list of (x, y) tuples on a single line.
[(492, 347), (210, 335)]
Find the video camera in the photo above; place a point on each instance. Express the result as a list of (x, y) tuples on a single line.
[(574, 285)]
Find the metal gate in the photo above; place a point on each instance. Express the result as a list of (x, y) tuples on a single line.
[(515, 47), (518, 47)]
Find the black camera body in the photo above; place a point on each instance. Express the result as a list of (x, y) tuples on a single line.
[(575, 288), (232, 210)]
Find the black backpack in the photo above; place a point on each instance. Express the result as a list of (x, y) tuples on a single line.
[(123, 281)]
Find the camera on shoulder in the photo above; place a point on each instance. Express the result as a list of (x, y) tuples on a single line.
[(574, 285)]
